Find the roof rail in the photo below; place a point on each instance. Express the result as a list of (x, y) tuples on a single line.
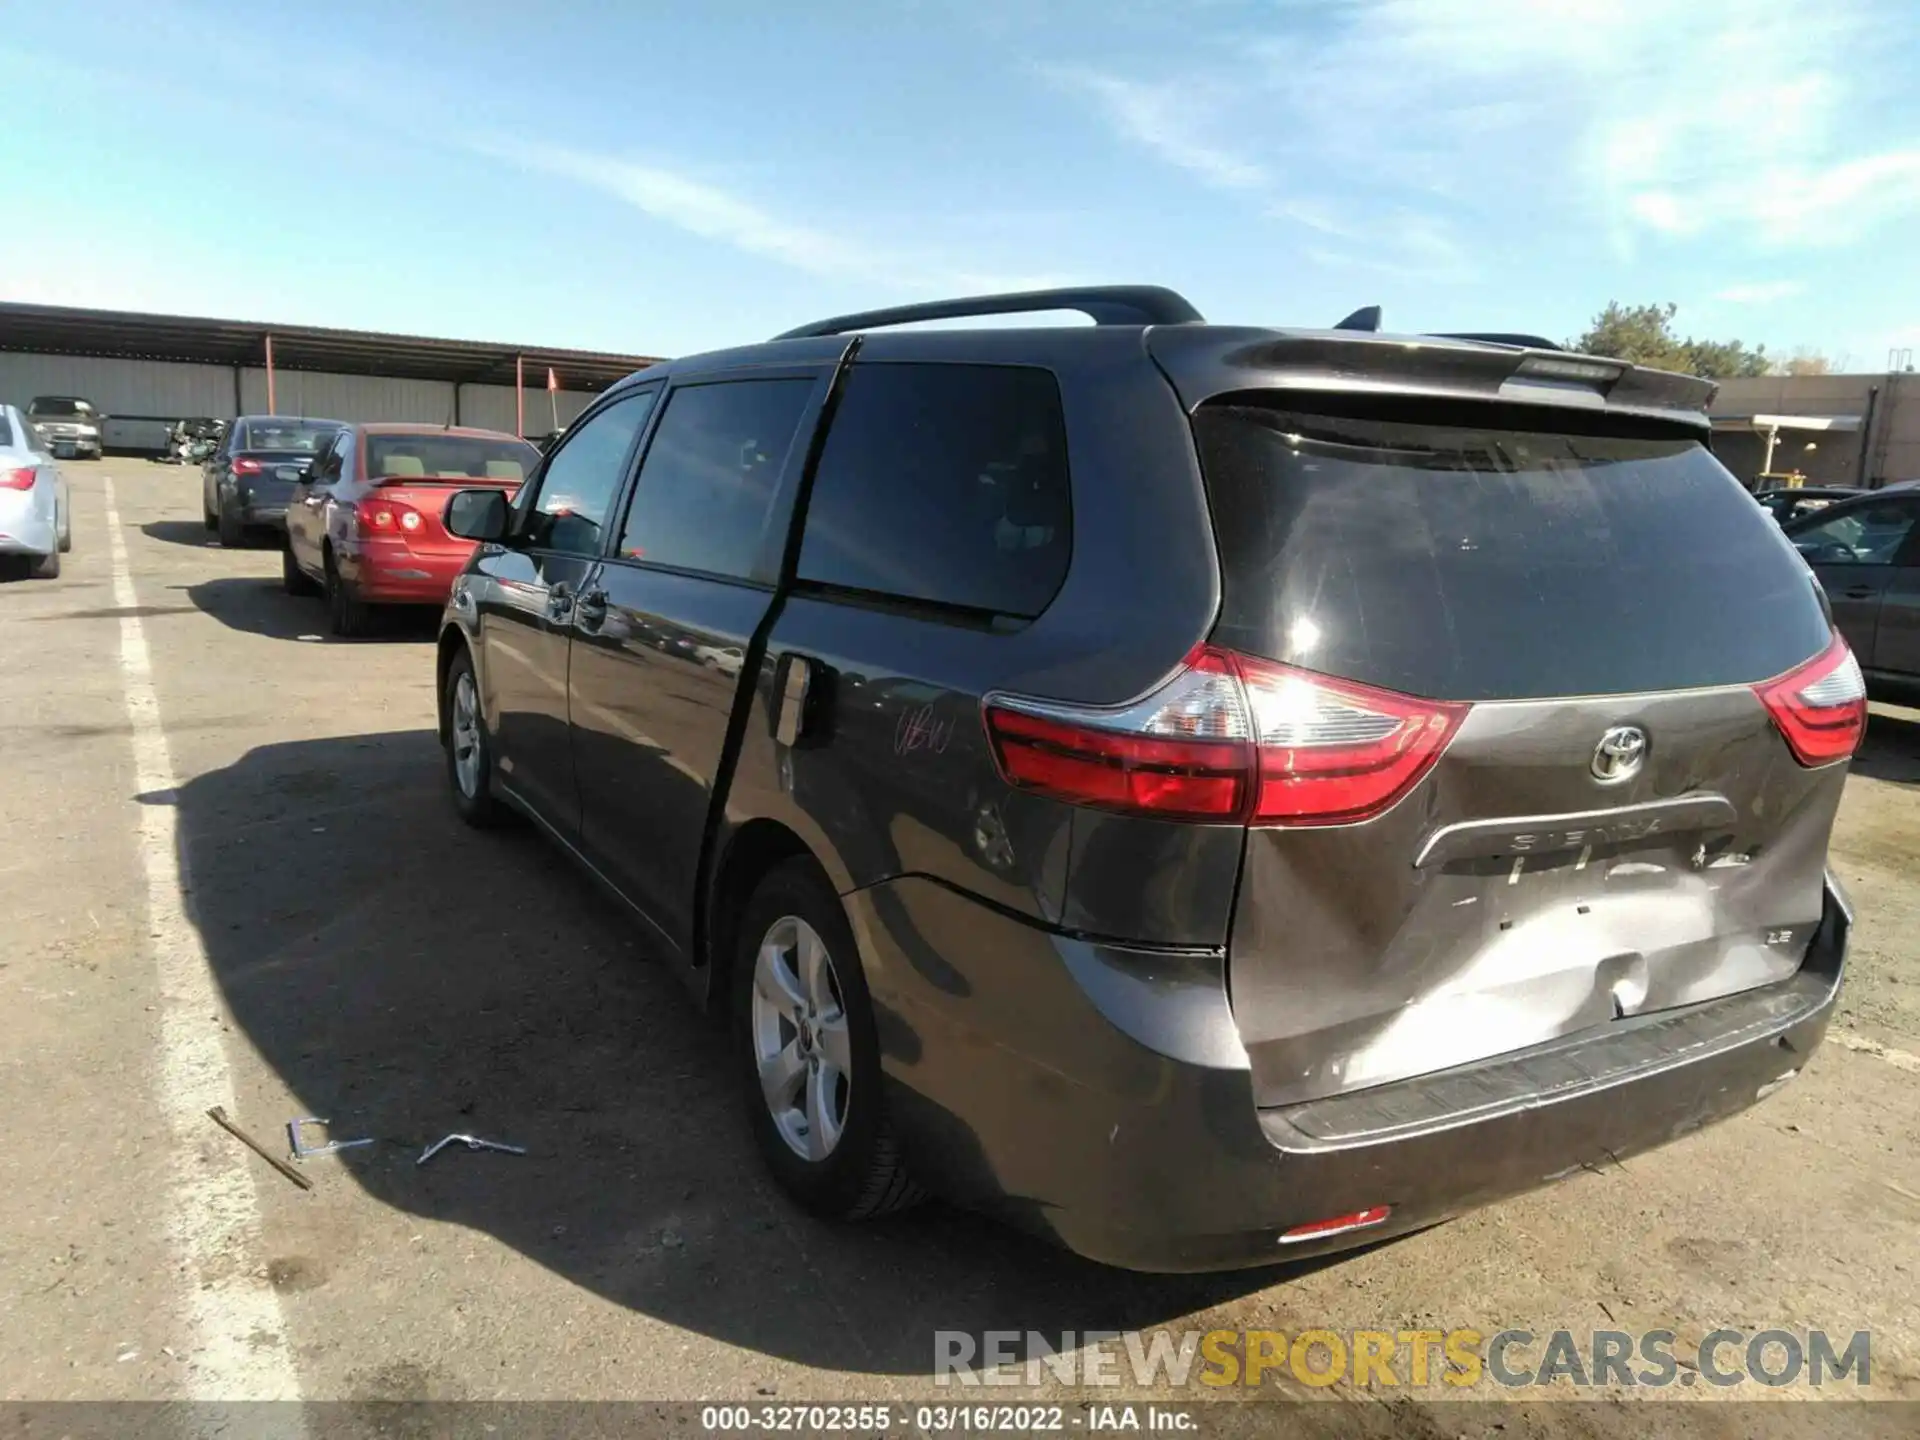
[(1493, 337), (1102, 304)]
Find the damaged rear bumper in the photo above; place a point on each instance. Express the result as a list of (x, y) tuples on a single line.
[(1094, 1094)]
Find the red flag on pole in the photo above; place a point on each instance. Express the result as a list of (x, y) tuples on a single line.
[(553, 380)]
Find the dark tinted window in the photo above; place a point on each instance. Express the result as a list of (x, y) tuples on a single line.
[(295, 437), (580, 481), (449, 457), (944, 483), (60, 407), (706, 487), (1496, 564), (6, 431), (1858, 535)]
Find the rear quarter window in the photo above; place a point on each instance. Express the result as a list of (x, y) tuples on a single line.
[(1481, 564), (946, 485)]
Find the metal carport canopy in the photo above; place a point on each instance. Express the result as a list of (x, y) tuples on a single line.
[(130, 335)]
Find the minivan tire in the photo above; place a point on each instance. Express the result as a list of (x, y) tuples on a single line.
[(864, 1175), (474, 800)]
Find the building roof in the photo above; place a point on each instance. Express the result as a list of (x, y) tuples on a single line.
[(1786, 422), (131, 335)]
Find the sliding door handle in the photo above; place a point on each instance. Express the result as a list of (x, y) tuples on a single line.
[(795, 683)]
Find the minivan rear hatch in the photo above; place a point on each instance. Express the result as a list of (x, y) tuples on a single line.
[(1578, 621)]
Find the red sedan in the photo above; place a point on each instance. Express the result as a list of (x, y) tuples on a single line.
[(363, 525)]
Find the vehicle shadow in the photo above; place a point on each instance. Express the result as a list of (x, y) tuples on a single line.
[(1891, 751), (181, 532), (455, 980), (258, 605)]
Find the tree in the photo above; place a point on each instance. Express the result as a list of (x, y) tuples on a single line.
[(1806, 361), (1643, 334)]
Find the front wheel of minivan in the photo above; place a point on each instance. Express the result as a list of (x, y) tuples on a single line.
[(811, 1059)]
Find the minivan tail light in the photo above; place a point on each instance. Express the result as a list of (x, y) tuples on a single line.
[(1333, 751), (1820, 708), (1228, 738), (1182, 753)]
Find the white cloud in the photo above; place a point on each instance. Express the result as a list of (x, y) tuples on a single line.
[(1646, 119), (1179, 121), (703, 209), (1166, 119), (1763, 292)]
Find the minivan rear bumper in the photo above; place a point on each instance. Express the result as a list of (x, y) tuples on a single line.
[(1092, 1093)]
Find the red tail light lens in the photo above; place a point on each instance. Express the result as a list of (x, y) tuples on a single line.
[(1228, 738), (1332, 751), (245, 465), (386, 517), (1821, 707), (1183, 753), (17, 479)]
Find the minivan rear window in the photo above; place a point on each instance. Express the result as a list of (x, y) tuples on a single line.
[(1482, 564)]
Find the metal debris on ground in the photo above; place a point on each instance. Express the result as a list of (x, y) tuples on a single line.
[(303, 1151), (472, 1142), (218, 1115)]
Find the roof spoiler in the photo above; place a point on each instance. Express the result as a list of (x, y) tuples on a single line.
[(1499, 337), (1102, 304), (1367, 318)]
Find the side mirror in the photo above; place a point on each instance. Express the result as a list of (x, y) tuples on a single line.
[(478, 515)]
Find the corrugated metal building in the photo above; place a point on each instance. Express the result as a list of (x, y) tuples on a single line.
[(159, 368)]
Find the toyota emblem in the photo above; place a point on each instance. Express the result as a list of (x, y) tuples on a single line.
[(1620, 754)]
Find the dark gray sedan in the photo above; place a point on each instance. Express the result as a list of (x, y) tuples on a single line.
[(1866, 552)]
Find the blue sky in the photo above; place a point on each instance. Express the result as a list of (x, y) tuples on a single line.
[(657, 178)]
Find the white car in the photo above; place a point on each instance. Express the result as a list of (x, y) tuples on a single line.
[(34, 524)]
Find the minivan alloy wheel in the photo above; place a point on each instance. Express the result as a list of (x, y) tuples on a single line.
[(466, 735), (801, 1044)]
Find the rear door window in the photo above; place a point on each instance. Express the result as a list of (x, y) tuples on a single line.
[(1481, 564), (706, 488), (944, 484)]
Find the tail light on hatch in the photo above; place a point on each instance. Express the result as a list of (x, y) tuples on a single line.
[(386, 517), (1820, 707), (1228, 738), (17, 479)]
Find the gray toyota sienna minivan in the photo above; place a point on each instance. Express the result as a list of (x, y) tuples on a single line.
[(1208, 794)]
